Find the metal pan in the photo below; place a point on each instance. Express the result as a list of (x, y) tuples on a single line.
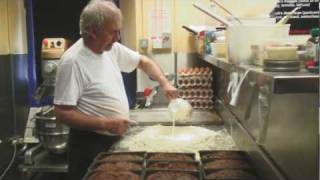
[(121, 156), (226, 164), (172, 156), (121, 165), (229, 174), (173, 165), (223, 154), (138, 174), (188, 174)]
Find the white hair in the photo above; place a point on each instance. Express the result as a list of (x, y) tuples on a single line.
[(96, 14)]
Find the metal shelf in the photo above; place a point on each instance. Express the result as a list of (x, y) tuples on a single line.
[(281, 82)]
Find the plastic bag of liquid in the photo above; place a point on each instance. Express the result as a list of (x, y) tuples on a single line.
[(180, 110)]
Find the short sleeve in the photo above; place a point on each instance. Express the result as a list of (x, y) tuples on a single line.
[(126, 58), (68, 88)]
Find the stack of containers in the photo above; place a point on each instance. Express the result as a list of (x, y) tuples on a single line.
[(194, 85)]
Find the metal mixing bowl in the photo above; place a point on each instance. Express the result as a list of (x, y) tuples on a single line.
[(52, 134)]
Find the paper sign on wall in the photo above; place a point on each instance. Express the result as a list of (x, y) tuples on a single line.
[(160, 27)]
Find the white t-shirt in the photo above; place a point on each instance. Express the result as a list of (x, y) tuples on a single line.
[(93, 82)]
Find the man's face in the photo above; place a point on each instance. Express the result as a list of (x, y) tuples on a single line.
[(107, 35)]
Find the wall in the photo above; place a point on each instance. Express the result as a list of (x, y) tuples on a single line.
[(4, 45), (13, 74), (137, 24)]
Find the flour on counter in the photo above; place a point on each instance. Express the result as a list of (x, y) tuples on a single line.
[(186, 139)]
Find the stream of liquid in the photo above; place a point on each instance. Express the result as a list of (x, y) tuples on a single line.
[(173, 125)]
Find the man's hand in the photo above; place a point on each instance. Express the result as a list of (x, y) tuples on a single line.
[(154, 71), (169, 91), (76, 119), (116, 125)]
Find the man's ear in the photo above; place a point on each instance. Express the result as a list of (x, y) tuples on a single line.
[(93, 33)]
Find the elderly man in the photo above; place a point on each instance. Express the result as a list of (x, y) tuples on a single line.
[(90, 95)]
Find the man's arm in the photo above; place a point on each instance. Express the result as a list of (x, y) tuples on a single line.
[(76, 119), (154, 71)]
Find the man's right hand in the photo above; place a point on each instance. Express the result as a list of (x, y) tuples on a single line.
[(116, 125)]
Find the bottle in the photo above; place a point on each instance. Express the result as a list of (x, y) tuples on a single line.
[(312, 43), (201, 43)]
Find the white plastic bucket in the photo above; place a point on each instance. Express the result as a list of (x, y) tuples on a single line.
[(240, 38)]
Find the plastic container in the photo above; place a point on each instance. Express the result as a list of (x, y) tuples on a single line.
[(284, 53), (240, 39), (180, 109), (218, 49)]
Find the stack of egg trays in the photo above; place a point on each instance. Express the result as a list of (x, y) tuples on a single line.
[(190, 160), (207, 156), (101, 159), (196, 83)]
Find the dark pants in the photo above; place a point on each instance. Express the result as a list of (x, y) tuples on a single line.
[(83, 148)]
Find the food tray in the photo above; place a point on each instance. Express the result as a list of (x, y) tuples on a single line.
[(172, 155), (139, 173), (172, 165), (224, 163), (96, 164), (223, 154), (103, 155), (196, 174), (252, 175)]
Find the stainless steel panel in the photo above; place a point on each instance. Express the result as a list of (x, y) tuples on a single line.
[(292, 134), (263, 165), (279, 112)]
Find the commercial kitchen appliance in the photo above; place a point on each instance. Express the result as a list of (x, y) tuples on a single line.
[(274, 117), (51, 51), (45, 137)]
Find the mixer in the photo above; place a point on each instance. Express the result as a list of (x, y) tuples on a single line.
[(45, 138), (51, 52)]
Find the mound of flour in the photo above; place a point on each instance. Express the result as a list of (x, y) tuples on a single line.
[(186, 139)]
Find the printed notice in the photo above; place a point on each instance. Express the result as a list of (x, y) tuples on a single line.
[(304, 19)]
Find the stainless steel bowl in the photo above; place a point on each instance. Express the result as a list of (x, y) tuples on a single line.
[(52, 134)]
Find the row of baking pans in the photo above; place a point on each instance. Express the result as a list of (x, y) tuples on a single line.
[(141, 155), (144, 166), (144, 175), (158, 166)]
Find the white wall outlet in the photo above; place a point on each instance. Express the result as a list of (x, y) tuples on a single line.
[(143, 43)]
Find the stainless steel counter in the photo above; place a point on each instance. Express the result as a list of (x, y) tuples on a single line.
[(278, 112), (283, 82), (147, 117)]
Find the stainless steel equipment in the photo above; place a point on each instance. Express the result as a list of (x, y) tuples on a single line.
[(45, 137), (52, 134), (275, 118), (51, 51), (44, 151)]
